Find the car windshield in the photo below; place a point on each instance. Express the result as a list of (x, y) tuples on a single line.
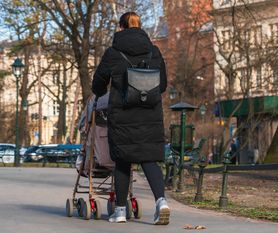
[(5, 147)]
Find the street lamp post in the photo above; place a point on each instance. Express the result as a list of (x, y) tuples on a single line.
[(17, 68), (25, 105), (25, 109), (203, 110), (173, 93), (183, 108)]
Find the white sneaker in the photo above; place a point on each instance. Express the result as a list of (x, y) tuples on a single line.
[(162, 212), (119, 215)]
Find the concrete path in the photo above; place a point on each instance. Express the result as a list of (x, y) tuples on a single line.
[(32, 200)]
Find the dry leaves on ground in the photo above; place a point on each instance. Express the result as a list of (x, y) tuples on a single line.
[(190, 227)]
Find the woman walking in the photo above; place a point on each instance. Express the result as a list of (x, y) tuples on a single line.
[(135, 134)]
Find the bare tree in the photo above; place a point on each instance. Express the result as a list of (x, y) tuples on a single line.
[(58, 82), (245, 55), (6, 118), (75, 20), (21, 18)]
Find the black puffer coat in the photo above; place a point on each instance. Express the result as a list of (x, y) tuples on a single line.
[(137, 134)]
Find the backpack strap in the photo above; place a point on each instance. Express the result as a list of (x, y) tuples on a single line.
[(150, 58), (133, 66), (125, 57)]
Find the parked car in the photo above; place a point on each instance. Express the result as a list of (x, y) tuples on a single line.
[(5, 146), (31, 154), (22, 150), (53, 153), (7, 152), (61, 153)]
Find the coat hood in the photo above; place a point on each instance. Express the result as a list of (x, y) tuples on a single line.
[(132, 41)]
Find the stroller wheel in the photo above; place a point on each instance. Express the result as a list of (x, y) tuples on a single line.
[(97, 209), (69, 207), (80, 206), (87, 212), (110, 207), (138, 210), (128, 209)]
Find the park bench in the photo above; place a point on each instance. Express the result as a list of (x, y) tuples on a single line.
[(190, 158)]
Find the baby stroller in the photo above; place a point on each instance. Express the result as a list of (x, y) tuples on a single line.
[(94, 162)]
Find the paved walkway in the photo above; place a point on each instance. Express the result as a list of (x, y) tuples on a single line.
[(32, 200)]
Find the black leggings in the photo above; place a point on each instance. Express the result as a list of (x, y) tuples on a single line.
[(122, 177)]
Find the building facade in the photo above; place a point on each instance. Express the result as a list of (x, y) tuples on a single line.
[(185, 39), (246, 72), (59, 87)]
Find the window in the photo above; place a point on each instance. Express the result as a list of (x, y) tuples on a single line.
[(256, 36), (55, 78), (259, 76), (250, 37), (80, 105), (224, 2), (274, 33), (243, 78), (226, 40), (275, 76), (69, 110), (55, 108)]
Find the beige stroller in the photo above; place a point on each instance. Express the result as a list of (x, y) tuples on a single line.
[(94, 164)]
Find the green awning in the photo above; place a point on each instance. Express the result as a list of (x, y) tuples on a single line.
[(240, 107)]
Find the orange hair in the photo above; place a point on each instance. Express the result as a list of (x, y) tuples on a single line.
[(130, 20)]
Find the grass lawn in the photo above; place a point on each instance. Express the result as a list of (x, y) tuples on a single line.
[(252, 194)]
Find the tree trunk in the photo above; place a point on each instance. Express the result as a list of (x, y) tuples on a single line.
[(62, 109), (61, 122), (74, 111), (83, 69), (85, 84)]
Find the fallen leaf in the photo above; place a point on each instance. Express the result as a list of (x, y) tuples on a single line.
[(188, 227), (200, 227)]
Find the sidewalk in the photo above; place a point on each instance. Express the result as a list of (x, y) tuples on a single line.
[(33, 200)]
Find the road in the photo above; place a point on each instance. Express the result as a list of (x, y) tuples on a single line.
[(32, 200)]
